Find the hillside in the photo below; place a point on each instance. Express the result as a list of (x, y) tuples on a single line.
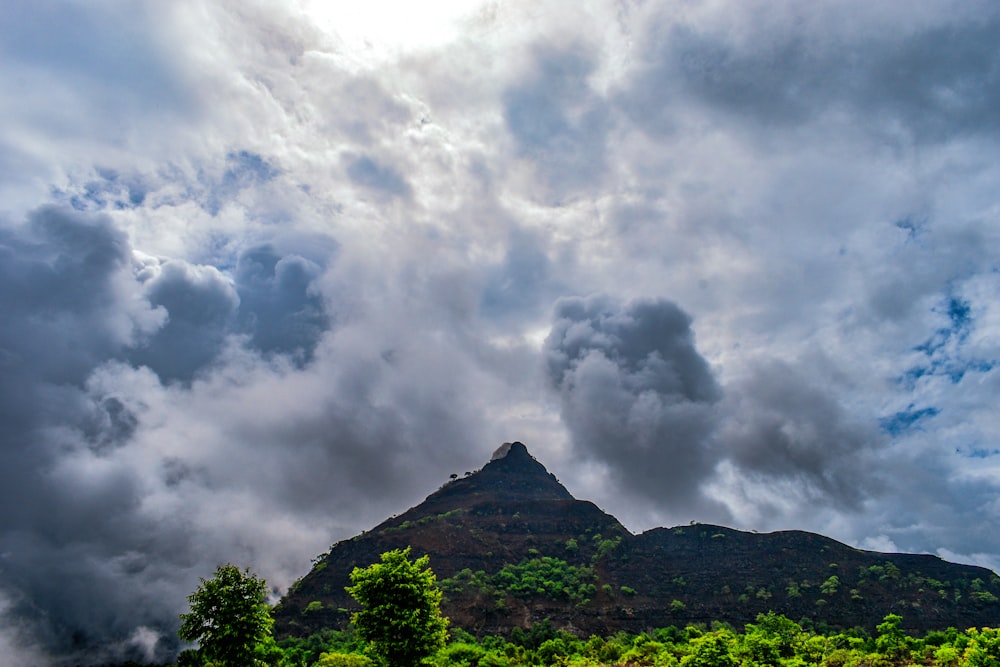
[(511, 547)]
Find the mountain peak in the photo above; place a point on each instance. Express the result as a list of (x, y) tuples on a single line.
[(515, 473), (513, 512), (511, 475), (515, 449)]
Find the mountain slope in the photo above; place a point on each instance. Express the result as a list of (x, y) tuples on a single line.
[(511, 547)]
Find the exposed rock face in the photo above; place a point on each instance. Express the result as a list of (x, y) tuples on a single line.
[(514, 510)]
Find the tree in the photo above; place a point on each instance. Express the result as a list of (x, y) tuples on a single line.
[(229, 617), (984, 647), (891, 640), (401, 608), (711, 650)]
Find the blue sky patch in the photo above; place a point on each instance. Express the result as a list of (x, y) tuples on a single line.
[(907, 420)]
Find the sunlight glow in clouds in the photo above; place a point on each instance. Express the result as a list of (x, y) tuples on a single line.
[(383, 29)]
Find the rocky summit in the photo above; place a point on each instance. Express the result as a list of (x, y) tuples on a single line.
[(512, 547)]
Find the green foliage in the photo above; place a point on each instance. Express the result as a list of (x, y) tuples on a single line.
[(342, 660), (984, 648), (829, 587), (406, 525), (713, 649), (306, 651), (547, 577), (229, 617), (891, 640), (401, 608), (772, 641), (605, 547)]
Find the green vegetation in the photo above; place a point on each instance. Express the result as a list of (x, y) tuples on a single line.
[(401, 609), (545, 577), (773, 641), (604, 547), (229, 618), (400, 625), (406, 525)]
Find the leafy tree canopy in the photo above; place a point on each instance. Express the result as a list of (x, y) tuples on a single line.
[(401, 608), (229, 617)]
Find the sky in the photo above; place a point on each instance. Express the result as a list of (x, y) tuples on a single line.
[(270, 272)]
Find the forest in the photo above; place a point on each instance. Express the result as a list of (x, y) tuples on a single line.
[(400, 625), (774, 641)]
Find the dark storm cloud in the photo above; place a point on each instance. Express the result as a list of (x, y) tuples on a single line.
[(270, 299), (638, 397), (557, 119), (69, 305), (201, 306), (280, 308), (636, 394), (58, 288), (936, 81), (81, 563), (781, 425)]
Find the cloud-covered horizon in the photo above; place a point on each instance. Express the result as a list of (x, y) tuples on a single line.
[(269, 277)]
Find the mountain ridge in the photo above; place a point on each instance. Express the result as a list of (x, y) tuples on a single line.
[(512, 547)]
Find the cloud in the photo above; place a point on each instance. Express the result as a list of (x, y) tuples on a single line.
[(225, 324), (782, 427), (929, 78), (130, 465), (640, 399), (199, 303), (370, 174), (82, 550), (557, 120), (636, 394), (521, 285), (270, 298), (72, 304)]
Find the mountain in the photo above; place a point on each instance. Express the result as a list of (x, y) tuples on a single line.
[(512, 547)]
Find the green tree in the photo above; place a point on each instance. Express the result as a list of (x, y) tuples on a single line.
[(711, 650), (401, 608), (984, 647), (774, 638), (892, 640), (229, 617), (342, 660)]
